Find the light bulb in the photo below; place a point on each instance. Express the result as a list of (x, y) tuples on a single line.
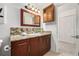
[(36, 9), (33, 8), (29, 6)]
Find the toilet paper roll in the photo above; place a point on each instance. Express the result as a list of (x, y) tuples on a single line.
[(7, 48)]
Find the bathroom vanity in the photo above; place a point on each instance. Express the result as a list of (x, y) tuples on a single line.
[(31, 45)]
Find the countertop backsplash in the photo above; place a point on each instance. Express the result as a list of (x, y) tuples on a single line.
[(18, 30)]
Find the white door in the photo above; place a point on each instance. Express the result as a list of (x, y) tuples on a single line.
[(67, 31)]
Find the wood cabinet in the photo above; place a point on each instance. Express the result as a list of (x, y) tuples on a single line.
[(49, 13), (36, 46)]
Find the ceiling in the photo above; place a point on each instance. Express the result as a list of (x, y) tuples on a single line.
[(36, 5)]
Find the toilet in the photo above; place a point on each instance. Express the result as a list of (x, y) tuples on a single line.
[(1, 42)]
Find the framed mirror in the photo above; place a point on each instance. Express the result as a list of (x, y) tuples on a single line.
[(29, 19)]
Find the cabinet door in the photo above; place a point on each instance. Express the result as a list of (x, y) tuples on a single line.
[(34, 47), (48, 42), (48, 13), (44, 44), (19, 48)]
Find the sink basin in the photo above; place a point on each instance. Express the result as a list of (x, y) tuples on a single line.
[(35, 34), (23, 34)]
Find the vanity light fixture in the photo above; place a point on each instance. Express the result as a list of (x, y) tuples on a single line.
[(32, 8)]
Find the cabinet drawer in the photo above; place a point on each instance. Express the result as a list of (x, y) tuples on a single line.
[(19, 42)]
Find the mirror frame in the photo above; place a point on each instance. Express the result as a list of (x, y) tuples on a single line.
[(21, 19)]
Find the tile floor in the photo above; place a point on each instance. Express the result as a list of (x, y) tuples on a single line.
[(51, 53)]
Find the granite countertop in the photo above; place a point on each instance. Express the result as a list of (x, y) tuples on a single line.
[(20, 37)]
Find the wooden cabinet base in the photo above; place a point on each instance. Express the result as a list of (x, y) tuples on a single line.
[(36, 46)]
